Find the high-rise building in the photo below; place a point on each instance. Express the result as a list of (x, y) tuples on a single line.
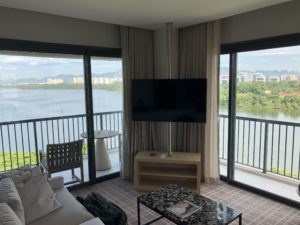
[(55, 81)]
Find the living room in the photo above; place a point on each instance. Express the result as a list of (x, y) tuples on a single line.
[(81, 72)]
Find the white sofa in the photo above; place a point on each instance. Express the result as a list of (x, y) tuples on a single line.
[(69, 212)]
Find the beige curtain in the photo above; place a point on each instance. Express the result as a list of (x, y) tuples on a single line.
[(199, 50), (211, 150), (137, 55)]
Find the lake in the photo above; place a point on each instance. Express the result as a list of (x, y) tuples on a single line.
[(18, 104)]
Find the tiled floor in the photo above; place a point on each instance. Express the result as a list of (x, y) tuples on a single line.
[(115, 167), (285, 187), (257, 210)]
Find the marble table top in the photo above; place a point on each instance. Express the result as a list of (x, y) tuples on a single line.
[(210, 213), (99, 134)]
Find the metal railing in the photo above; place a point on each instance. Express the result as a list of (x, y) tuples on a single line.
[(21, 140), (272, 146)]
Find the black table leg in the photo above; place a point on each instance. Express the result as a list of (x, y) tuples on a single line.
[(240, 219), (138, 212)]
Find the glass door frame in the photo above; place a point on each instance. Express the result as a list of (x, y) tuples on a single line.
[(233, 49), (86, 52)]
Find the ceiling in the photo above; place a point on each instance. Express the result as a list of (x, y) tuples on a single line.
[(142, 13)]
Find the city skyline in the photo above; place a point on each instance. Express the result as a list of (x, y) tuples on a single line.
[(280, 59)]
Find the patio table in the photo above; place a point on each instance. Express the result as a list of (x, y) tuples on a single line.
[(101, 154)]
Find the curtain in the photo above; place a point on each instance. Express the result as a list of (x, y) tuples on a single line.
[(199, 50), (137, 56), (211, 150)]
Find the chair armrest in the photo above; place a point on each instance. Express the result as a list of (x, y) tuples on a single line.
[(95, 221), (56, 182), (42, 154)]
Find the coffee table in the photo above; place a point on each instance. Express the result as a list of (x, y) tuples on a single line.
[(211, 212)]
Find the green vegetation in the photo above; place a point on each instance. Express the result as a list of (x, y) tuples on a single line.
[(265, 95), (116, 86), (16, 160), (286, 173), (84, 149)]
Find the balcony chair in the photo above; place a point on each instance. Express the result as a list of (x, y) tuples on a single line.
[(62, 157)]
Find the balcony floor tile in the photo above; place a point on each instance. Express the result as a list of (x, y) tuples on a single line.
[(261, 181)]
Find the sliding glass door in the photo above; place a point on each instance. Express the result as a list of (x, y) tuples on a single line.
[(40, 103), (46, 97), (107, 106), (268, 120), (223, 112), (265, 117)]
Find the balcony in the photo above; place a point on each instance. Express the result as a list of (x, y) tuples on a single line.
[(267, 154), (20, 141)]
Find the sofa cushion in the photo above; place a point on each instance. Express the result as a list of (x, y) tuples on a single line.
[(56, 182), (8, 216), (38, 198), (95, 221), (22, 174), (10, 195), (71, 212)]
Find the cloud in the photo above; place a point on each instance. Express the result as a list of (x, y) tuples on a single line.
[(294, 50), (41, 67), (11, 59)]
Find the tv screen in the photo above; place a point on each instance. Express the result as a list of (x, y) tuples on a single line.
[(172, 100)]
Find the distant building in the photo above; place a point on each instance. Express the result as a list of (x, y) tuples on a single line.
[(98, 80), (259, 77), (78, 80), (55, 81), (224, 79), (289, 93), (105, 80), (274, 79), (288, 77), (268, 92), (246, 77)]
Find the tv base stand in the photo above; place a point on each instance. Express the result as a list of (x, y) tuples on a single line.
[(153, 170)]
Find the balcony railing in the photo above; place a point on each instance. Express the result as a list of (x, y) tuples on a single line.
[(271, 146), (21, 140), (268, 145)]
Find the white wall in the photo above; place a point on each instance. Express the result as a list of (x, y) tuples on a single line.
[(267, 22), (25, 25)]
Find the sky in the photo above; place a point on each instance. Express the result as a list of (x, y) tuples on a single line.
[(21, 67), (287, 58)]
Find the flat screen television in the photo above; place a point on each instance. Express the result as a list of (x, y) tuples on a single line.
[(170, 100)]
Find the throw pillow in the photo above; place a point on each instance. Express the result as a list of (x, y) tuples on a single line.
[(7, 216), (22, 174), (10, 195), (38, 198)]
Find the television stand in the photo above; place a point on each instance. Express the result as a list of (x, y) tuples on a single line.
[(153, 170)]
